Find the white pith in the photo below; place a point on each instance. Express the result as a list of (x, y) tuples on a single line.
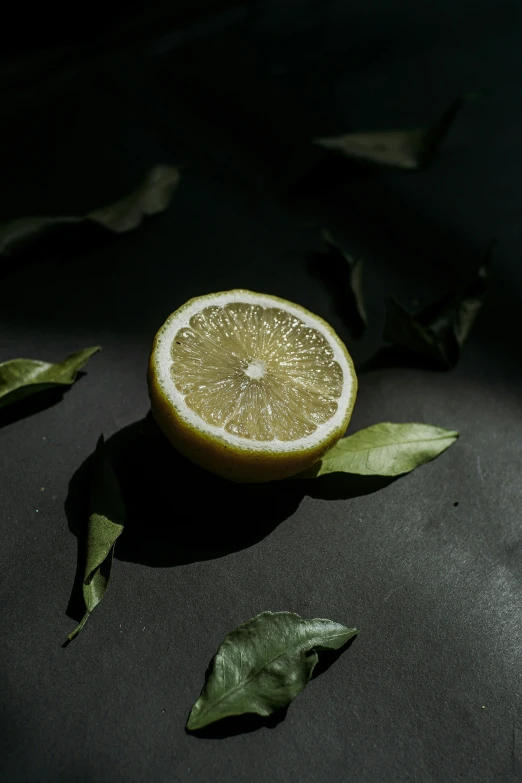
[(256, 369), (162, 360)]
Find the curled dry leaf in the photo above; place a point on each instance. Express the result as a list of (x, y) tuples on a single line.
[(106, 521), (400, 149), (440, 330), (150, 198), (24, 235)]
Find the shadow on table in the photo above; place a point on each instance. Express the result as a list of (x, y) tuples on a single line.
[(178, 513), (392, 356), (28, 406), (239, 724)]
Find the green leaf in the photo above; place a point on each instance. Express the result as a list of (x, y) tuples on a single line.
[(263, 665), (106, 521), (440, 330), (20, 378), (410, 149), (344, 274), (151, 197), (384, 450)]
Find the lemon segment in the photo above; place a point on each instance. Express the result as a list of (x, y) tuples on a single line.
[(250, 386)]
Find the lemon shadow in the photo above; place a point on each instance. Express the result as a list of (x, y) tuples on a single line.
[(178, 513)]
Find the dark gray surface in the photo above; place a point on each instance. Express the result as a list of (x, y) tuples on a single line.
[(431, 689)]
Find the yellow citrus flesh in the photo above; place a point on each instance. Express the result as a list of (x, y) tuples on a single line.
[(250, 386)]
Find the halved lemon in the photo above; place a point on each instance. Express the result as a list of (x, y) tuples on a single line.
[(250, 386)]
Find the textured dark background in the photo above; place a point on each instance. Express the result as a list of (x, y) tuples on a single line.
[(431, 689)]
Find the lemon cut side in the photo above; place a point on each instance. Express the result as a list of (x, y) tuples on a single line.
[(250, 386)]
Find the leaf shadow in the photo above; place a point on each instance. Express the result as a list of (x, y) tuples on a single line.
[(327, 658), (333, 271), (326, 170), (22, 409), (56, 244), (343, 486), (390, 356), (178, 513), (239, 724)]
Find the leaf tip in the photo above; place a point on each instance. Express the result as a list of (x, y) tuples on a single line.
[(194, 722), (351, 633), (87, 353), (323, 142)]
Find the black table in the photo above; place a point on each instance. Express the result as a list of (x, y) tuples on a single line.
[(429, 566)]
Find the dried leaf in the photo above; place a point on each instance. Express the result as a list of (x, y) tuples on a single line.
[(344, 273), (409, 149), (440, 330), (24, 235)]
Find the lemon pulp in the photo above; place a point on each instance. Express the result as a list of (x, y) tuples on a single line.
[(256, 372)]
